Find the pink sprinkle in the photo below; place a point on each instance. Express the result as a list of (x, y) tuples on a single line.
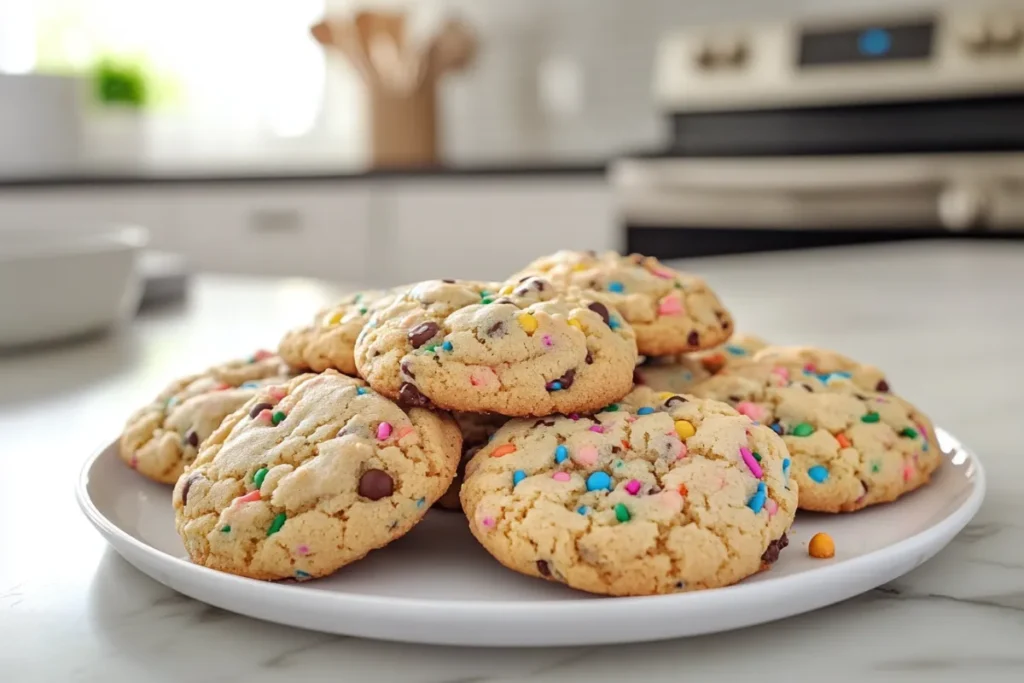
[(751, 410), (404, 432), (262, 354), (908, 472), (267, 415), (487, 522), (561, 476), (585, 456), (631, 418), (546, 339), (383, 431), (671, 499), (683, 450), (134, 462), (250, 497), (276, 393), (302, 549), (880, 400), (772, 507), (670, 305), (663, 273), (810, 367), (752, 464), (483, 377), (781, 372), (574, 416), (633, 487), (597, 428)]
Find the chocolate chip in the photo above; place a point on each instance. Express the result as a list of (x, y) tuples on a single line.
[(590, 358), (568, 378), (496, 330), (693, 339), (450, 282), (783, 541), (192, 478), (376, 484), (192, 439), (601, 310), (406, 370), (409, 395), (774, 548), (882, 386), (524, 279), (674, 400), (504, 300), (808, 387), (544, 423), (637, 377), (865, 485), (735, 399), (543, 568), (422, 333), (259, 408), (616, 449), (725, 325)]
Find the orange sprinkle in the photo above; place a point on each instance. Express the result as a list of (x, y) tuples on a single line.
[(844, 442), (821, 546), (683, 490), (404, 432), (503, 449), (625, 444), (713, 363)]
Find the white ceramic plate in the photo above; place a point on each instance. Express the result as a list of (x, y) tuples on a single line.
[(436, 585)]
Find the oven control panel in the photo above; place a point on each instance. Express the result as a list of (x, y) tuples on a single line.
[(941, 54)]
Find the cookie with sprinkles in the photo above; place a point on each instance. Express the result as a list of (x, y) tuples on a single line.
[(311, 476), (328, 341), (162, 438), (659, 493), (672, 312), (826, 364), (477, 429), (850, 447), (527, 349), (681, 372)]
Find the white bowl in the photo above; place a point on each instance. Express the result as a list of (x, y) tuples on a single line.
[(58, 284)]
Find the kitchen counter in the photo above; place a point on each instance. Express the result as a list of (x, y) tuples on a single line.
[(944, 320)]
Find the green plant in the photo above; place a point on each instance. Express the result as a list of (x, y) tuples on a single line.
[(121, 84)]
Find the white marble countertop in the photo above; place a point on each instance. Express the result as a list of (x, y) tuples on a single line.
[(944, 319)]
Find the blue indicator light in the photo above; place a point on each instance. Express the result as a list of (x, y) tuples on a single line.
[(874, 42)]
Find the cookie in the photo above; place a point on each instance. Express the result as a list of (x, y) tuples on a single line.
[(329, 340), (663, 494), (738, 347), (809, 360), (477, 429), (162, 438), (679, 373), (671, 312), (851, 448), (309, 477), (529, 350)]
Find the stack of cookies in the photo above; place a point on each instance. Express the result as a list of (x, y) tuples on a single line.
[(593, 416)]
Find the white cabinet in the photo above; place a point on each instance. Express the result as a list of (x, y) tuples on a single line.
[(486, 228), (68, 208)]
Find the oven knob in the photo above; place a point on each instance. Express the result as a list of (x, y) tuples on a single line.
[(964, 207)]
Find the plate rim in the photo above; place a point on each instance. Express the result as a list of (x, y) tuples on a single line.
[(951, 525)]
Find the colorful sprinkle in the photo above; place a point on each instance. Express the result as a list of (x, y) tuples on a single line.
[(383, 431), (821, 546), (299, 574), (772, 507), (735, 350), (803, 429), (361, 390), (757, 456), (599, 429), (267, 415), (487, 521), (646, 410), (561, 476), (259, 476), (685, 429), (785, 467), (586, 455), (527, 322), (404, 432), (819, 473), (909, 432), (663, 273), (226, 529), (250, 497), (616, 287), (546, 340), (598, 481), (250, 385), (576, 323), (751, 463), (613, 408), (781, 372), (876, 466), (421, 502), (844, 441), (278, 417), (582, 509), (503, 450), (633, 487), (870, 418), (275, 526), (302, 549), (614, 323), (777, 428), (554, 386), (908, 472), (561, 453), (447, 346), (517, 477), (751, 410), (276, 393), (756, 502), (670, 305), (621, 512)]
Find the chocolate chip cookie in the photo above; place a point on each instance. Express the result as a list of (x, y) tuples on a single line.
[(672, 312), (663, 494), (311, 476), (161, 438), (527, 349), (850, 447)]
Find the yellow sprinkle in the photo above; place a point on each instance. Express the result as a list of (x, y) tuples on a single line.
[(576, 323), (334, 318), (579, 266), (665, 395), (528, 322), (685, 429), (506, 290)]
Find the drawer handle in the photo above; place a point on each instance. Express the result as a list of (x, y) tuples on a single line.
[(275, 220)]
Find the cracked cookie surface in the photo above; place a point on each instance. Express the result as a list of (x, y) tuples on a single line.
[(328, 342), (671, 312), (162, 438), (516, 350), (309, 477), (851, 447), (658, 494)]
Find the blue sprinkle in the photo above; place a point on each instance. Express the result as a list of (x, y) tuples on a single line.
[(785, 467), (736, 350), (756, 502), (583, 509), (301, 574), (615, 287), (645, 411), (447, 346), (250, 385), (517, 477), (687, 375), (555, 386), (614, 323), (818, 473), (924, 447), (844, 375), (777, 428), (360, 391), (561, 453), (420, 502), (599, 480), (172, 401), (825, 377)]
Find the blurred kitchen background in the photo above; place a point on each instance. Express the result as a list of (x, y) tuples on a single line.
[(246, 143)]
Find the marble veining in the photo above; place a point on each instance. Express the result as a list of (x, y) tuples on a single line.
[(940, 317)]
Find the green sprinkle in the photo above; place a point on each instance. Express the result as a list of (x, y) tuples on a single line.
[(357, 298), (226, 528), (621, 512), (258, 477), (909, 432), (876, 466), (757, 456), (363, 310), (803, 429), (487, 300), (430, 348), (612, 408), (484, 294), (278, 417), (618, 463), (276, 525), (870, 417)]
